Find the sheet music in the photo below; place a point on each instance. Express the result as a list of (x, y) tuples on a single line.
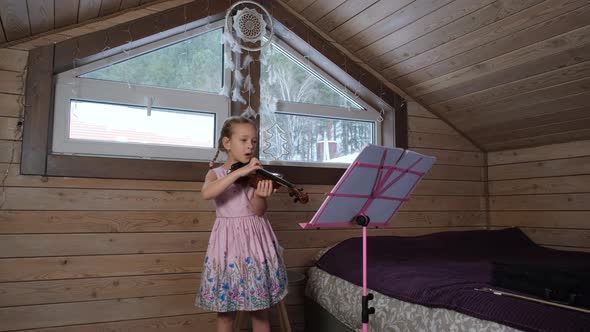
[(376, 184)]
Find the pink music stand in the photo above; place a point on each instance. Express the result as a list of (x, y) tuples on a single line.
[(373, 189)]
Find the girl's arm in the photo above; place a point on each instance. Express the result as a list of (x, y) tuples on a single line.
[(258, 200), (214, 186)]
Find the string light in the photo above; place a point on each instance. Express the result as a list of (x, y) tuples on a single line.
[(127, 55)]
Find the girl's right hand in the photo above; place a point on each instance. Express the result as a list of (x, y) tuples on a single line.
[(250, 168)]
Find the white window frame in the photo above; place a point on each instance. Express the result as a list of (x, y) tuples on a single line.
[(365, 113), (70, 87)]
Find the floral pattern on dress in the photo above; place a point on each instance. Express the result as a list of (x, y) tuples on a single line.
[(241, 284)]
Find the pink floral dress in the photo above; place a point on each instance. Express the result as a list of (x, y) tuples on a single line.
[(244, 268)]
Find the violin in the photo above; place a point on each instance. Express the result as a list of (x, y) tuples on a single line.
[(277, 182)]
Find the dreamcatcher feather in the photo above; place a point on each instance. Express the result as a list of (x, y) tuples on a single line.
[(247, 61), (248, 26)]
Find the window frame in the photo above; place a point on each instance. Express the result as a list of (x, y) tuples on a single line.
[(69, 86), (50, 57), (365, 113)]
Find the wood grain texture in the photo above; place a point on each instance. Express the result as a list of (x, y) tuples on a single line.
[(66, 13), (544, 190), (10, 128), (537, 98), (571, 40), (88, 9), (108, 7), (13, 60), (92, 289), (368, 17), (319, 9), (556, 128), (566, 136), (533, 122), (449, 142), (300, 5), (541, 153), (2, 34), (394, 22), (544, 168), (68, 222), (499, 115), (41, 15), (182, 323), (512, 77), (11, 82), (533, 24), (560, 237), (541, 219), (446, 157), (12, 105), (37, 113), (10, 151), (125, 4), (562, 184), (96, 311), (15, 19), (551, 70), (463, 26), (343, 13), (421, 27)]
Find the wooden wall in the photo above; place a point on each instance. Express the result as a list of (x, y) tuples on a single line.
[(544, 190), (83, 254), (453, 191)]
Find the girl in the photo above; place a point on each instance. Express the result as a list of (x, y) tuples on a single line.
[(243, 269)]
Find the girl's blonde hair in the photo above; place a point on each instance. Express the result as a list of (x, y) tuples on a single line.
[(226, 131)]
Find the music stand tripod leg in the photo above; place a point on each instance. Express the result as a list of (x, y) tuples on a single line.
[(363, 220)]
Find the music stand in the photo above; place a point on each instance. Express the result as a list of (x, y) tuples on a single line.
[(372, 189)]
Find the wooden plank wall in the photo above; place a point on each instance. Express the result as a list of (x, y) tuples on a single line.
[(86, 255), (544, 190)]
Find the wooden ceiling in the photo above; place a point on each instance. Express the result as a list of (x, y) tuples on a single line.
[(24, 18), (506, 73)]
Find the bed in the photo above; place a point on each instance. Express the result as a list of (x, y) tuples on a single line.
[(428, 283)]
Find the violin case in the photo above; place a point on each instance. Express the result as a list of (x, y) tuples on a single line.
[(561, 284)]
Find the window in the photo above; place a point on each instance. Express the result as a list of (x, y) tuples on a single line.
[(305, 116), (159, 101), (106, 86)]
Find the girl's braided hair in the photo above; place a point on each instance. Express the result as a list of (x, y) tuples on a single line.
[(226, 131)]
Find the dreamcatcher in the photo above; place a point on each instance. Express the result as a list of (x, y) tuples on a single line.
[(248, 27)]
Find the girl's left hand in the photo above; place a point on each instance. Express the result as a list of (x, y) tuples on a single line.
[(264, 188)]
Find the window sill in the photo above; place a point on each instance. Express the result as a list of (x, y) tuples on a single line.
[(142, 169)]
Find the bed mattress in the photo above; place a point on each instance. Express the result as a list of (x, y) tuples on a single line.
[(433, 277), (342, 299)]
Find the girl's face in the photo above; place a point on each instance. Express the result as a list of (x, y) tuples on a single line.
[(242, 143)]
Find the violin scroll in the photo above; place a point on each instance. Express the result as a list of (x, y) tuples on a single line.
[(300, 195)]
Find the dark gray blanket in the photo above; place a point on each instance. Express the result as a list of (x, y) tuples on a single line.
[(443, 269)]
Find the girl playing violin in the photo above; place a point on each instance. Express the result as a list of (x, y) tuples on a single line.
[(243, 269)]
